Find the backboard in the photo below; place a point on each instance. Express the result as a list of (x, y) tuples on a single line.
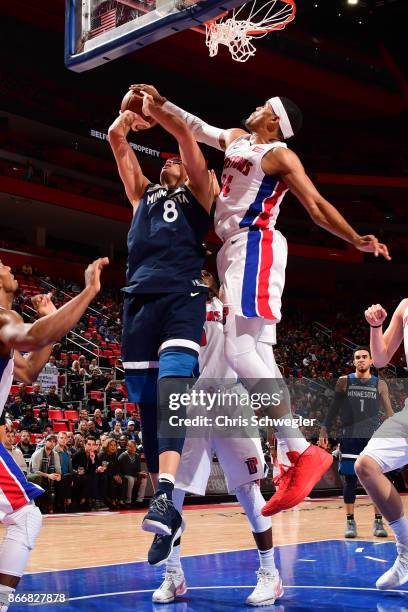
[(99, 31)]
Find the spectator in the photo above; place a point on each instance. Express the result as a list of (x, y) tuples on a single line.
[(37, 397), (70, 442), (52, 398), (25, 445), (94, 367), (92, 431), (113, 393), (116, 433), (82, 428), (85, 463), (15, 452), (78, 442), (22, 392), (110, 481), (45, 470), (119, 418), (16, 408), (122, 446), (134, 416), (29, 421), (129, 463), (44, 419), (64, 486), (83, 414), (131, 432), (101, 424)]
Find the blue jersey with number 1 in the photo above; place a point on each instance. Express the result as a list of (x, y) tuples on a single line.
[(166, 253)]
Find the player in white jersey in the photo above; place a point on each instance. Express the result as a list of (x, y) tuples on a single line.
[(258, 170), (388, 448), (241, 460), (18, 513)]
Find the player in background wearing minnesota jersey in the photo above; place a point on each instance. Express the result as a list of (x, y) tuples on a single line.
[(164, 309), (241, 460), (388, 448), (21, 518), (357, 401), (258, 170)]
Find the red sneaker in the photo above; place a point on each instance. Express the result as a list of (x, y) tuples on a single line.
[(297, 482)]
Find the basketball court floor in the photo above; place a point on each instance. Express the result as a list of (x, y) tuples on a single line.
[(98, 561)]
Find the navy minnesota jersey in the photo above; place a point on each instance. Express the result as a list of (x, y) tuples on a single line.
[(165, 242), (360, 414)]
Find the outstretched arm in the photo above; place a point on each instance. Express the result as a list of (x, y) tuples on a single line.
[(15, 334), (130, 172), (199, 179), (288, 166), (203, 132), (384, 345)]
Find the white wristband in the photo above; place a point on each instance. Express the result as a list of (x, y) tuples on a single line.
[(208, 134)]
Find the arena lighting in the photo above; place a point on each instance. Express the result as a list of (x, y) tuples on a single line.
[(352, 1)]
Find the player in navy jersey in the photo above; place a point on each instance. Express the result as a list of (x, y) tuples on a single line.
[(165, 298), (358, 400), (18, 514), (259, 169)]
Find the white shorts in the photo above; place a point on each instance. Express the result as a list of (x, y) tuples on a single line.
[(389, 444), (251, 267), (241, 460)]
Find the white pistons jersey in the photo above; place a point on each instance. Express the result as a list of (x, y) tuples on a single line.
[(249, 198), (213, 364)]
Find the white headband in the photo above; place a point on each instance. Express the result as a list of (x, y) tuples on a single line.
[(284, 123)]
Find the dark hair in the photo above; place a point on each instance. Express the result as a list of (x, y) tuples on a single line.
[(90, 438), (294, 113), (362, 348)]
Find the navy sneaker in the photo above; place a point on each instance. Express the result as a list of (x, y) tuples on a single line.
[(162, 546), (162, 517)]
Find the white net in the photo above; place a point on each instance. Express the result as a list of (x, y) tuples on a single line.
[(247, 22)]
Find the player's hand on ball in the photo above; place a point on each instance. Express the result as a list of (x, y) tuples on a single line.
[(141, 89), (93, 273), (135, 121), (370, 244), (375, 315), (43, 304)]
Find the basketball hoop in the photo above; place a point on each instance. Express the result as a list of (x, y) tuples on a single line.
[(252, 20)]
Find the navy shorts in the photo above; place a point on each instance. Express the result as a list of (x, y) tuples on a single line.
[(153, 323)]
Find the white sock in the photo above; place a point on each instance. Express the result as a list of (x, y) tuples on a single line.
[(291, 436), (267, 559), (173, 562), (400, 529), (5, 592)]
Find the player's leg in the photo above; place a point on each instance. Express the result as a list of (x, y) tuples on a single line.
[(379, 530), (22, 521), (182, 319), (243, 464), (307, 462), (387, 451), (349, 498), (192, 475)]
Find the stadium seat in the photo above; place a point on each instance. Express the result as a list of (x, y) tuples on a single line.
[(71, 415), (13, 389), (96, 395), (63, 426), (55, 414), (115, 405), (36, 412)]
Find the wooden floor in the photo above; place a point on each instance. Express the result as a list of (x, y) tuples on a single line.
[(75, 540)]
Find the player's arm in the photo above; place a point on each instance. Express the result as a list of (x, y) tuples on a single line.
[(333, 411), (15, 334), (286, 163), (203, 132), (385, 397), (130, 172), (384, 345), (199, 179)]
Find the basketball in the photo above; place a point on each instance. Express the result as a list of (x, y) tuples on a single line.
[(134, 103)]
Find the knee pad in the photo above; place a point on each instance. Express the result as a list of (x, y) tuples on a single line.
[(251, 499), (22, 529), (177, 362)]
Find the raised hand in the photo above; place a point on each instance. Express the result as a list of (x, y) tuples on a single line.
[(93, 274), (43, 304), (375, 315)]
